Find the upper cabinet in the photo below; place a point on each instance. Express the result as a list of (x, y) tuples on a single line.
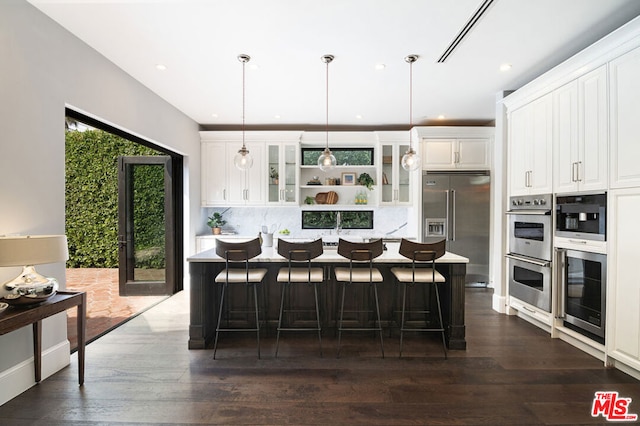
[(460, 153), (223, 184), (282, 171), (624, 73), (530, 138), (580, 134), (395, 181)]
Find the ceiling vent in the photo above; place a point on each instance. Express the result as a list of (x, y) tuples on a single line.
[(465, 30)]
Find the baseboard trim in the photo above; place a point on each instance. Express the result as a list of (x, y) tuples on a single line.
[(499, 303), (19, 378)]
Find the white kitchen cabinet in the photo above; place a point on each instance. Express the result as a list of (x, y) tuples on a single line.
[(395, 188), (580, 134), (456, 153), (623, 297), (624, 90), (282, 171), (530, 149), (223, 184)]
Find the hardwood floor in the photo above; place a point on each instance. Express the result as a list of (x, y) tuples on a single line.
[(512, 373)]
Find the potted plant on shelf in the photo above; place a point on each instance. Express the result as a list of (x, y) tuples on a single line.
[(366, 180), (215, 222), (273, 174)]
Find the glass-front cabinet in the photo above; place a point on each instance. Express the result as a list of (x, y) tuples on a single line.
[(396, 181), (282, 173)]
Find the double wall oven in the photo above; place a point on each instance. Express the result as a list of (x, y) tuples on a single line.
[(530, 249)]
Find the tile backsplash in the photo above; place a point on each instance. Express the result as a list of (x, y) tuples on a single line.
[(387, 221)]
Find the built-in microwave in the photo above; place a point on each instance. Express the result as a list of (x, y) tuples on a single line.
[(582, 216)]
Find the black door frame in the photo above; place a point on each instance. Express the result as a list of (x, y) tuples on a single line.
[(177, 161)]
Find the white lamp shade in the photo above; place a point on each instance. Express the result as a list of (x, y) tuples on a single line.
[(33, 250)]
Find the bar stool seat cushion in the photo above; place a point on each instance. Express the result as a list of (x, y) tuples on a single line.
[(301, 275), (239, 275), (359, 275), (423, 275)]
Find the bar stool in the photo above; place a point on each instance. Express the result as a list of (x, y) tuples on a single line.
[(239, 253), (363, 254), (300, 254), (422, 271)]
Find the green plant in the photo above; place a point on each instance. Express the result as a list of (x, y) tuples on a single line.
[(273, 174), (309, 200), (366, 180), (215, 220)]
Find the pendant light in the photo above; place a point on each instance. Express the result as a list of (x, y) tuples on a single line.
[(243, 160), (411, 160), (327, 161)]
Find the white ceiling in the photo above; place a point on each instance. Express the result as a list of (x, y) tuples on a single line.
[(199, 42)]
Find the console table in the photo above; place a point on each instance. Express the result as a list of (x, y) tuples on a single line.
[(16, 317)]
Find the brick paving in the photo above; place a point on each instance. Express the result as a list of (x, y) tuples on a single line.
[(106, 309)]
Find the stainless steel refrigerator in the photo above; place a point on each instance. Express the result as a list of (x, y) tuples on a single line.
[(455, 205)]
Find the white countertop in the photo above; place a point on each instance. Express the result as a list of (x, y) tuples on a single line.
[(270, 254)]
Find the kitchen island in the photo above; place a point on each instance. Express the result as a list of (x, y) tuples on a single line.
[(204, 293)]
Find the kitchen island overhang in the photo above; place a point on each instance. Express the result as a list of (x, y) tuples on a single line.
[(204, 292)]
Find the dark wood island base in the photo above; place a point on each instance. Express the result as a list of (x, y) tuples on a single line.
[(204, 294)]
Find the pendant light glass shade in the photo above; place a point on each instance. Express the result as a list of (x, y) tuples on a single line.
[(327, 160), (243, 160), (411, 160)]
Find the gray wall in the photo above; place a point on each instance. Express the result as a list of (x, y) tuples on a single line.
[(43, 69)]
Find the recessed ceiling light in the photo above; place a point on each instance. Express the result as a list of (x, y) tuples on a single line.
[(441, 117), (161, 67), (380, 66), (359, 116), (505, 67), (214, 115), (277, 116)]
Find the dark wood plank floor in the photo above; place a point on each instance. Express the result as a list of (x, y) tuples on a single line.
[(511, 374)]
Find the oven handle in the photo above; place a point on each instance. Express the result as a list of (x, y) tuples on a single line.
[(561, 258), (542, 263), (530, 212)]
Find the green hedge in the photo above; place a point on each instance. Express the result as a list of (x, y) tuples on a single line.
[(92, 199)]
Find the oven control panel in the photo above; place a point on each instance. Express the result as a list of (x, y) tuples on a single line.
[(531, 202)]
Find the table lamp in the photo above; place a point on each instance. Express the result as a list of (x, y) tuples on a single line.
[(26, 251)]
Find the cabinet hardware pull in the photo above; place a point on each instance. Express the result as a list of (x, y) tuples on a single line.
[(578, 167)]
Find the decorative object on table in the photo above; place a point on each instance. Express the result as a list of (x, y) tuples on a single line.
[(326, 160), (3, 306), (362, 198), (30, 287), (332, 197), (314, 181), (309, 200), (215, 222), (274, 175), (284, 231), (348, 178), (411, 160), (365, 180), (243, 160)]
